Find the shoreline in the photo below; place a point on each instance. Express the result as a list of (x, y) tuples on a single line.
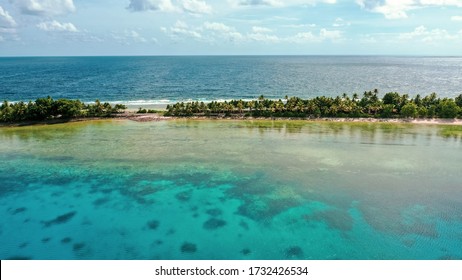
[(154, 117)]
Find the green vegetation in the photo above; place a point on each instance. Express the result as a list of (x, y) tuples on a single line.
[(49, 109), (392, 105)]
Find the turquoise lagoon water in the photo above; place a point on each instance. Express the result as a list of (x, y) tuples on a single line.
[(230, 190)]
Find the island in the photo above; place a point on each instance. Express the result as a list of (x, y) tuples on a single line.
[(370, 106)]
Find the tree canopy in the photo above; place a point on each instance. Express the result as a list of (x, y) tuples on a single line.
[(47, 108), (392, 105)]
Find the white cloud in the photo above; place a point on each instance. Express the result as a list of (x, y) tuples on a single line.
[(309, 37), (190, 6), (391, 9), (456, 18), (136, 36), (266, 38), (45, 7), (222, 30), (304, 37), (196, 7), (397, 9), (421, 33), (299, 25), (218, 26), (7, 30), (180, 30), (333, 35), (9, 34), (57, 26), (215, 32), (130, 36), (259, 29), (153, 5), (340, 22), (273, 3), (6, 21), (367, 39), (281, 3)]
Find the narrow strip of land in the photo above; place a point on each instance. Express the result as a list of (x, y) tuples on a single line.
[(392, 107)]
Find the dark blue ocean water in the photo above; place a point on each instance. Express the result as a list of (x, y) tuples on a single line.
[(160, 80)]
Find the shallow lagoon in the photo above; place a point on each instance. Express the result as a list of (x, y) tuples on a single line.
[(231, 190)]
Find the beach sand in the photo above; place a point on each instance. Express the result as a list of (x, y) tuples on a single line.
[(157, 117)]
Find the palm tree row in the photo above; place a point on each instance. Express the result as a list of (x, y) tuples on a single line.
[(391, 105), (47, 108)]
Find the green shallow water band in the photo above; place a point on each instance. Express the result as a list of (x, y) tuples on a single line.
[(231, 190)]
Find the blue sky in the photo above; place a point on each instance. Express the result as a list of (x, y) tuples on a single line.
[(230, 27)]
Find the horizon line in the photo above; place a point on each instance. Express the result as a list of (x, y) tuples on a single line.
[(233, 55)]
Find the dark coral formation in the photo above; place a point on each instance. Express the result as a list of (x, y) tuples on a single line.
[(214, 212), (184, 196), (59, 219), (153, 224), (213, 223), (246, 252), (46, 239), (188, 247), (294, 252), (66, 240), (19, 210), (101, 201), (78, 246)]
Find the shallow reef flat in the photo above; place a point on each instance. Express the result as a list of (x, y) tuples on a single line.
[(186, 189)]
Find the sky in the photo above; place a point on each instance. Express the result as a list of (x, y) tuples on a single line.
[(230, 27)]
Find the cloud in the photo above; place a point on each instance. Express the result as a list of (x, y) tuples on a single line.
[(391, 9), (189, 6), (280, 3), (6, 21), (180, 29), (150, 5), (299, 25), (222, 30), (340, 22), (130, 36), (309, 37), (196, 7), (273, 3), (266, 38), (57, 26), (9, 34), (44, 7), (421, 33), (213, 32), (397, 9), (259, 29), (7, 27), (135, 36), (333, 35), (217, 26), (456, 18), (304, 37)]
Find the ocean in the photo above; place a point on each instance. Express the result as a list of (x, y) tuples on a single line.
[(143, 81), (228, 189)]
